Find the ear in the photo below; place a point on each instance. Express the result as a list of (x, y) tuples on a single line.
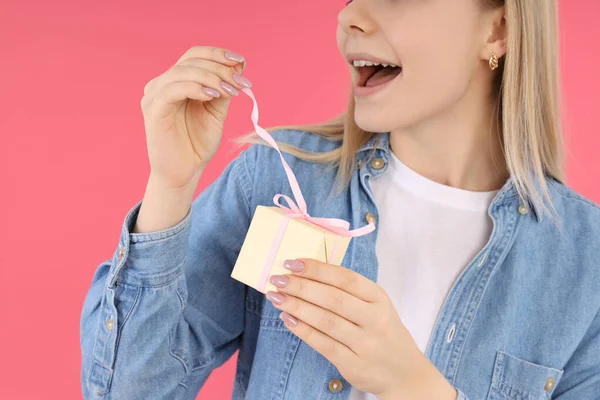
[(495, 30)]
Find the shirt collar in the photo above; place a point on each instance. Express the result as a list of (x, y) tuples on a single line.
[(379, 144), (379, 141)]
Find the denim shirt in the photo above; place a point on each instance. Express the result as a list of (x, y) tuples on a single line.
[(521, 321)]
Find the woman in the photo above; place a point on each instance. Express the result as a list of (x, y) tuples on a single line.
[(480, 281)]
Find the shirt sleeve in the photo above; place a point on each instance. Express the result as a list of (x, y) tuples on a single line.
[(164, 311), (581, 379)]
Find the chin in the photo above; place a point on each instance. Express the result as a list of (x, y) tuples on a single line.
[(372, 123)]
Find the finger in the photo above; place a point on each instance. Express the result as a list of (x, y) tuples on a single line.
[(332, 350), (325, 296), (203, 72), (181, 74), (338, 276), (212, 53), (224, 72), (325, 321), (179, 91)]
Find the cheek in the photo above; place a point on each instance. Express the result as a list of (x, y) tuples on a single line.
[(435, 76), (435, 48), (438, 71), (340, 37)]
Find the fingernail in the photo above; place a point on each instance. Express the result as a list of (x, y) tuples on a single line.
[(288, 319), (294, 265), (229, 89), (275, 297), (234, 56), (279, 280), (211, 92), (242, 80)]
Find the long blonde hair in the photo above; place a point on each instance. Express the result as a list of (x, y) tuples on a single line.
[(527, 108)]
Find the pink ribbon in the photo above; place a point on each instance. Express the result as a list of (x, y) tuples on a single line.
[(297, 209)]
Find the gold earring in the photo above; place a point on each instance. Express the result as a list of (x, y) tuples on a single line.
[(493, 62)]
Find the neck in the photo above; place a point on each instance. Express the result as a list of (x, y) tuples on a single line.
[(459, 148)]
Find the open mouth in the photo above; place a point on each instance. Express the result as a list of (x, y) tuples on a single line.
[(376, 75)]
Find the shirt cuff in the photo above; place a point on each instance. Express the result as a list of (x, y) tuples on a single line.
[(150, 258)]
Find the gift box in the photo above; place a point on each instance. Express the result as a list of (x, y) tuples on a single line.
[(273, 237), (278, 233)]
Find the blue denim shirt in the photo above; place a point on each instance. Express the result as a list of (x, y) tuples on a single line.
[(521, 321)]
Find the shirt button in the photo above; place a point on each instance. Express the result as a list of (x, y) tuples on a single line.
[(109, 324), (549, 384), (335, 385), (370, 218), (523, 209), (482, 260), (451, 333), (377, 163), (121, 251)]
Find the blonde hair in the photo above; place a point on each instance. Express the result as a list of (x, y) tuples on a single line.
[(527, 108)]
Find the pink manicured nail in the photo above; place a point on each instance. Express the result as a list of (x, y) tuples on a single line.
[(234, 56), (211, 92), (294, 265), (229, 89), (288, 319), (242, 80), (279, 280), (275, 297)]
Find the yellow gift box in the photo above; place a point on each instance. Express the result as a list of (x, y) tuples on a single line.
[(284, 233), (265, 248)]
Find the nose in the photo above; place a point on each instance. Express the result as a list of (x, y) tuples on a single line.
[(353, 17)]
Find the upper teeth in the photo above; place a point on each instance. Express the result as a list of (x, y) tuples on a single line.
[(365, 63)]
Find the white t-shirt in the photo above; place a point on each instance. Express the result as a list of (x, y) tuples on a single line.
[(427, 234)]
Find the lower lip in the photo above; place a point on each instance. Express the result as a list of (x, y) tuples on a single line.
[(363, 91)]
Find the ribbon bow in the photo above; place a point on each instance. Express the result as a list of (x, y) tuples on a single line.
[(297, 209)]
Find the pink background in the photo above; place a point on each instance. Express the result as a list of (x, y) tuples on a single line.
[(73, 157)]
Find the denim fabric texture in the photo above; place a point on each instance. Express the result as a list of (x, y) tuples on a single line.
[(521, 321)]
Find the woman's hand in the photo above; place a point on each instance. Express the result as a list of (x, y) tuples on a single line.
[(352, 322), (185, 109)]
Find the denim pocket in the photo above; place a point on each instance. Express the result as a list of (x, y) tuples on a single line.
[(269, 318), (275, 355), (517, 379)]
